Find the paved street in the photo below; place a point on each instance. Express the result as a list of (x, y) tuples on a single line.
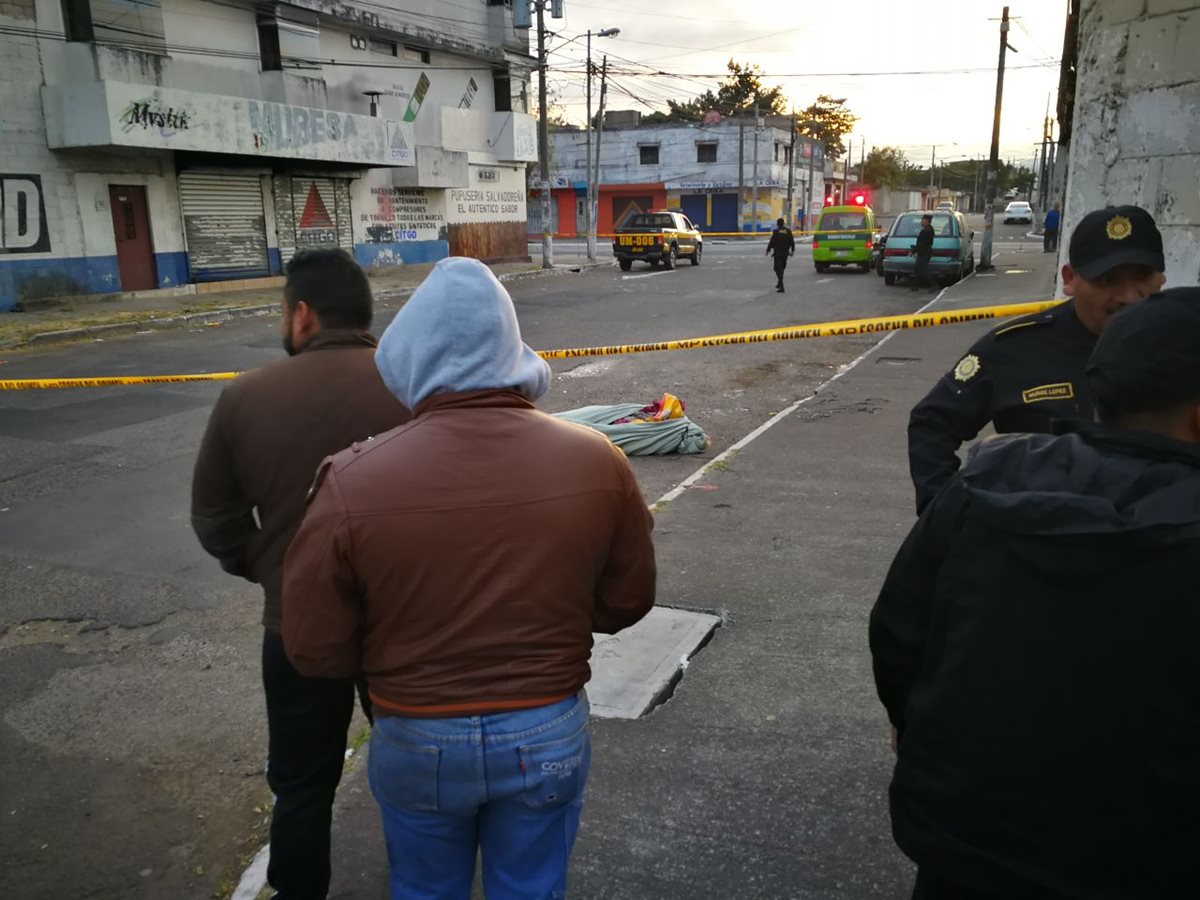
[(132, 740)]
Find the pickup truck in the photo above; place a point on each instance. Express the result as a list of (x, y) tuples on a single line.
[(657, 237)]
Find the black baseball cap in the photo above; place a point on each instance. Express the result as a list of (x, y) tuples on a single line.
[(1146, 359), (1115, 236)]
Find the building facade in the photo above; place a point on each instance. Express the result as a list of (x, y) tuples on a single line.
[(153, 143), (692, 168), (1135, 136)]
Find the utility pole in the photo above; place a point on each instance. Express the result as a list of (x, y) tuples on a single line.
[(849, 168), (989, 210), (975, 193), (791, 169), (590, 199), (592, 219), (741, 175), (754, 204), (932, 163), (587, 172), (544, 140), (812, 159)]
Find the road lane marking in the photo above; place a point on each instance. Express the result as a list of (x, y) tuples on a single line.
[(647, 275), (766, 426)]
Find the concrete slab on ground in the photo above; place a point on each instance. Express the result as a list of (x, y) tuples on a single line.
[(633, 669)]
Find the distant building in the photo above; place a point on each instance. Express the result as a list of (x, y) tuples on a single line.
[(692, 168), (152, 143)]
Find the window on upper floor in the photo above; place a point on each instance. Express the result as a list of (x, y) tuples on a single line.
[(414, 54), (383, 48), (77, 20), (136, 23), (706, 152), (779, 151), (502, 89), (648, 154), (289, 39)]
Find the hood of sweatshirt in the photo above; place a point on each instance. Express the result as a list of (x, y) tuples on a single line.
[(458, 332)]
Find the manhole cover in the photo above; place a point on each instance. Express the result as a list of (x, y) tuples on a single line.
[(633, 669)]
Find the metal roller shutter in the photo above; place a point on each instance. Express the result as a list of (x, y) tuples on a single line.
[(225, 225)]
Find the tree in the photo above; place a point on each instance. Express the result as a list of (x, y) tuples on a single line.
[(737, 95), (886, 167), (827, 120)]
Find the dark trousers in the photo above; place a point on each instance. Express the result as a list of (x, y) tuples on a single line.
[(1050, 240), (307, 719), (780, 265), (921, 273), (931, 886)]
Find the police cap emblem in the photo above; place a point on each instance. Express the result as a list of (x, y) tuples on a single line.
[(967, 368), (1118, 228)]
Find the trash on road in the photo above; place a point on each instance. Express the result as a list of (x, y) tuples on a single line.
[(654, 429)]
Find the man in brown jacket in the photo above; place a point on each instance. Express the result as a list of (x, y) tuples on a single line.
[(463, 562), (266, 437)]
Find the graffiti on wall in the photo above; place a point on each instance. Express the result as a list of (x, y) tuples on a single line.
[(23, 226), (149, 113), (403, 214)]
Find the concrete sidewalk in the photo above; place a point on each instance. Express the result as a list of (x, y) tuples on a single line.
[(766, 774), (92, 316)]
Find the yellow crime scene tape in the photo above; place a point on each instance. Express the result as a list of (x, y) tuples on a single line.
[(874, 325)]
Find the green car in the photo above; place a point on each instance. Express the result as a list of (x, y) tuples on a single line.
[(844, 237)]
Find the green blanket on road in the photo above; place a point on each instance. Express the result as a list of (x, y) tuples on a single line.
[(644, 438)]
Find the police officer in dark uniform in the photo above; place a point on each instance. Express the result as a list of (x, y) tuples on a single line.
[(1030, 371), (923, 252), (783, 245)]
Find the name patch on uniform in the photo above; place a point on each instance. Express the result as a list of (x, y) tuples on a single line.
[(1062, 391)]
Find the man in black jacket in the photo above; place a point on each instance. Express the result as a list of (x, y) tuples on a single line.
[(923, 251), (783, 245), (1035, 644)]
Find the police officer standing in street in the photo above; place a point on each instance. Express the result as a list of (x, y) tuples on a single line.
[(1030, 371), (923, 251), (783, 245)]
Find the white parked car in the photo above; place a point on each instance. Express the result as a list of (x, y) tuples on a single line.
[(1018, 211)]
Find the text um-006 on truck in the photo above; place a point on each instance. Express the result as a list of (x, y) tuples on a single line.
[(659, 238)]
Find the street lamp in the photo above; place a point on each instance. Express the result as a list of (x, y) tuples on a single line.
[(544, 133), (593, 190)]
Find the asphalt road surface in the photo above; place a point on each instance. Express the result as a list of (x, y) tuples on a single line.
[(132, 739)]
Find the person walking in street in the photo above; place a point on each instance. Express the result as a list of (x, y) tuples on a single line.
[(1026, 373), (463, 562), (1034, 644), (922, 253), (783, 245), (1050, 230), (266, 437)]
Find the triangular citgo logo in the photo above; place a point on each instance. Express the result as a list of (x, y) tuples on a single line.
[(315, 214)]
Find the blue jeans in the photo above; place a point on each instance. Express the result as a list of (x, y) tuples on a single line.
[(509, 786)]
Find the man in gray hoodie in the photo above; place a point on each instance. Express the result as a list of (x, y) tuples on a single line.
[(462, 562), (1035, 644)]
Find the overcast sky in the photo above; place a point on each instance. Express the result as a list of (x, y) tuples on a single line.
[(810, 47)]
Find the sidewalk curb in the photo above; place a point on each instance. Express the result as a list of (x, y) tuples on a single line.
[(218, 316)]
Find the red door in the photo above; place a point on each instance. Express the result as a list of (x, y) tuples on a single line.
[(131, 227)]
